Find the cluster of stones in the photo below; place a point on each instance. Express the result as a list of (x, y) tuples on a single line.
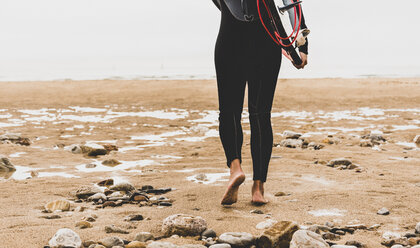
[(372, 139), (122, 193), (394, 240), (276, 234), (14, 138), (341, 164), (295, 140)]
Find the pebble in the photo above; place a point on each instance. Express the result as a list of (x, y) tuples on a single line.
[(96, 246), (383, 211), (237, 239), (256, 211), (354, 243), (15, 138), (85, 191), (291, 143), (127, 187), (51, 217), (291, 135), (417, 229), (109, 242), (331, 236), (144, 236), (111, 162), (374, 227), (83, 224), (209, 233), (307, 239), (192, 246), (62, 205), (343, 246), (339, 161), (106, 183), (98, 196), (417, 139), (280, 194), (6, 165), (266, 224), (115, 229), (65, 238), (183, 225), (136, 244), (159, 244), (220, 246), (397, 246), (134, 217), (315, 146)]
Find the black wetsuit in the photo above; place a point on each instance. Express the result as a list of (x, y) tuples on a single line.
[(245, 53)]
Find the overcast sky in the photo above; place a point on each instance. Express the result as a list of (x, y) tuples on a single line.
[(54, 39)]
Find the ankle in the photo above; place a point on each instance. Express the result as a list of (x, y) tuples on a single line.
[(235, 166)]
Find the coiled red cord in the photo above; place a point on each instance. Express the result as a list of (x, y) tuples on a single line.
[(277, 38)]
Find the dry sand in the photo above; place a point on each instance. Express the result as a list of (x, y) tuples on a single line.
[(391, 175)]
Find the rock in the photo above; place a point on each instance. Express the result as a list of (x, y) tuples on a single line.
[(397, 246), (144, 236), (127, 187), (416, 246), (85, 191), (220, 246), (256, 211), (114, 229), (374, 227), (209, 233), (307, 239), (134, 217), (339, 161), (15, 138), (183, 225), (279, 235), (90, 166), (6, 166), (136, 244), (417, 229), (343, 246), (354, 243), (109, 242), (383, 211), (98, 196), (159, 244), (111, 162), (192, 246), (266, 224), (291, 143), (280, 194), (51, 217), (414, 241), (106, 183), (88, 243), (319, 228), (75, 149), (83, 224), (366, 143), (109, 148), (315, 146), (65, 237), (331, 236), (357, 226), (237, 239), (291, 135), (62, 205)]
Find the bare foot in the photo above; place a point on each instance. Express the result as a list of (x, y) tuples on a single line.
[(237, 177), (258, 193)]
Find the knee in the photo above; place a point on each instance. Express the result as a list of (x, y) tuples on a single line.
[(225, 114)]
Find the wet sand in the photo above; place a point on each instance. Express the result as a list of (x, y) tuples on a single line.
[(167, 133)]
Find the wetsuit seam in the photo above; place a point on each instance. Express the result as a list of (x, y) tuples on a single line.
[(236, 135)]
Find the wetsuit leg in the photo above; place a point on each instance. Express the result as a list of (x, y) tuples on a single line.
[(231, 84), (261, 89)]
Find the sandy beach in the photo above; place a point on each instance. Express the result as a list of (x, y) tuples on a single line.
[(167, 136)]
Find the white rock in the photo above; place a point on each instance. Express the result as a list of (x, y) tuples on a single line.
[(391, 235), (184, 225), (266, 224), (237, 239), (417, 139), (417, 230), (158, 244), (65, 237), (220, 246), (397, 246), (307, 239)]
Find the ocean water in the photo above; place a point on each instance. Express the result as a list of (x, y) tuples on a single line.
[(138, 39)]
